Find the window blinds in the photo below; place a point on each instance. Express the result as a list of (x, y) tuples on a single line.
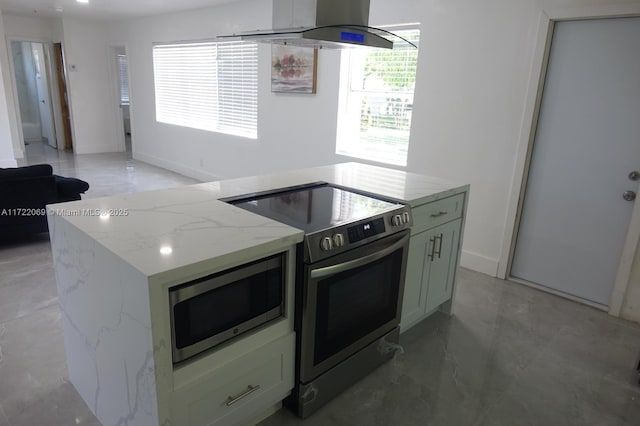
[(208, 86)]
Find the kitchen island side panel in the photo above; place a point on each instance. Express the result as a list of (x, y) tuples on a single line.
[(107, 328)]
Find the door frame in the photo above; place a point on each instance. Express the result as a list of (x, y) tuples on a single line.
[(547, 18), (114, 72), (62, 91), (52, 85)]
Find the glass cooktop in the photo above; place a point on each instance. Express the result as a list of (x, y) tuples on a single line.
[(315, 208)]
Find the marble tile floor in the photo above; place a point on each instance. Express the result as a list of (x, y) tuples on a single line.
[(510, 355), (107, 174)]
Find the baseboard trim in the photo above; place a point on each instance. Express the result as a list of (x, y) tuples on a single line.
[(8, 162), (479, 263), (176, 167), (98, 149), (560, 294)]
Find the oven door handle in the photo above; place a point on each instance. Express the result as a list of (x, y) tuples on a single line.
[(352, 264)]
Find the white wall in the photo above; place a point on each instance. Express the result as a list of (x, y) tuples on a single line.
[(7, 112), (290, 127), (87, 60), (475, 64), (30, 28)]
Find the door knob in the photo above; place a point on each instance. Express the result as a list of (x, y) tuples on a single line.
[(634, 175), (629, 195)]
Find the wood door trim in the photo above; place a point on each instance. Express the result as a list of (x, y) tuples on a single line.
[(63, 95)]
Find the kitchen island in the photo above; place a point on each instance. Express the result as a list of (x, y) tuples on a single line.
[(117, 257)]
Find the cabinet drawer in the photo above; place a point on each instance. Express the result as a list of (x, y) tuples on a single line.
[(240, 389), (436, 213)]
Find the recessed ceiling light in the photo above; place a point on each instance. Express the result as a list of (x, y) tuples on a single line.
[(82, 1)]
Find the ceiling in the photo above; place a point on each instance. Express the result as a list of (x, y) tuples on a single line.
[(102, 9)]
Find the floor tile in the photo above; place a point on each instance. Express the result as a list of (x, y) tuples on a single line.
[(554, 391), (30, 286), (3, 418), (33, 359), (59, 406), (510, 355)]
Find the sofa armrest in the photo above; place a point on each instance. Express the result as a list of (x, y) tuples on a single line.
[(33, 192), (69, 189)]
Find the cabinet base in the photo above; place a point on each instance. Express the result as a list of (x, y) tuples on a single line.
[(308, 398)]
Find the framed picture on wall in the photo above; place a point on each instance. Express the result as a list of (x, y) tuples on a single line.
[(294, 69)]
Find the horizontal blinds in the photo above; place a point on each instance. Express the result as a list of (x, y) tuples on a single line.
[(238, 88), (208, 86), (186, 82)]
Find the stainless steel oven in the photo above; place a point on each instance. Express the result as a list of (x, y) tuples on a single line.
[(349, 283), (219, 307), (349, 301)]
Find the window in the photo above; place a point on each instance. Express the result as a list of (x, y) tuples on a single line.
[(376, 101), (124, 79), (208, 86)]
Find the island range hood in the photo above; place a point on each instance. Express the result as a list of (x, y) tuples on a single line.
[(329, 24)]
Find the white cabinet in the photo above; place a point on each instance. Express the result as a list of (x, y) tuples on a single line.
[(433, 258), (238, 390)]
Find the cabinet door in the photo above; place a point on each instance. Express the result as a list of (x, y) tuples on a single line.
[(415, 285), (442, 268)]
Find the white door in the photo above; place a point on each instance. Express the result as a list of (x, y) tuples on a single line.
[(44, 98), (574, 218)]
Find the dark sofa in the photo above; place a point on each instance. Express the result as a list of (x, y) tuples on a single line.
[(24, 193)]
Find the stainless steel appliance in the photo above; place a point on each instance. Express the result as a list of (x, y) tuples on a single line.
[(219, 307), (325, 24), (349, 286)]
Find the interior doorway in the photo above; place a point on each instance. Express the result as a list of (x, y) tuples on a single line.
[(121, 66), (580, 188), (31, 72)]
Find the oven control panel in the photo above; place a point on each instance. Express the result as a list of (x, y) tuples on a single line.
[(365, 230), (336, 240)]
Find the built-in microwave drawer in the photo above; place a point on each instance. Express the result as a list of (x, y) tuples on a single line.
[(212, 310), (240, 389), (436, 213)]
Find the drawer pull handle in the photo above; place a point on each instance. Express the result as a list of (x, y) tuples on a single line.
[(233, 399), (439, 214)]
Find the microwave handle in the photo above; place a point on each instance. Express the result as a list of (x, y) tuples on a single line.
[(352, 264)]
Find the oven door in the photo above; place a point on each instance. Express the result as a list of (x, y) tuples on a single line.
[(349, 301)]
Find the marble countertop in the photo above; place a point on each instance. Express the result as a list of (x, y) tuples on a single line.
[(163, 230)]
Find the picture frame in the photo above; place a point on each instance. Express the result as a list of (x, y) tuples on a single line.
[(294, 69)]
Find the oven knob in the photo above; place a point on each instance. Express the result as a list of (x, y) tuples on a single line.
[(396, 220), (338, 240), (406, 217), (326, 244)]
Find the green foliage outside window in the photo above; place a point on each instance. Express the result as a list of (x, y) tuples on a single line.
[(388, 84)]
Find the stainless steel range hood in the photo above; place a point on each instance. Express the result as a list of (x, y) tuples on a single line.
[(332, 24)]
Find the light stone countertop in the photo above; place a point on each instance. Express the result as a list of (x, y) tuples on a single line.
[(197, 227)]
